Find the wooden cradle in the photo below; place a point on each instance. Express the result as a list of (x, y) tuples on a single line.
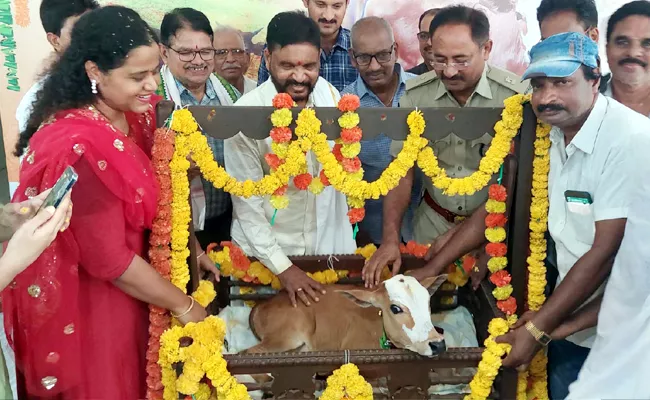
[(407, 373)]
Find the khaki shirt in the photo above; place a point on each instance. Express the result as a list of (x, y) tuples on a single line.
[(458, 157)]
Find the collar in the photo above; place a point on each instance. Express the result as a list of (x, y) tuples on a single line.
[(482, 87), (209, 89), (361, 89), (343, 39), (585, 139)]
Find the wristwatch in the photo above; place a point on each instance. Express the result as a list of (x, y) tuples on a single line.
[(542, 337)]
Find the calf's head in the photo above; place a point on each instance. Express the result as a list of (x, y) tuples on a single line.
[(406, 312)]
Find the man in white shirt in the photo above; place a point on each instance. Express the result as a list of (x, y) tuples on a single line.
[(310, 224), (628, 42), (593, 156), (232, 59), (58, 17)]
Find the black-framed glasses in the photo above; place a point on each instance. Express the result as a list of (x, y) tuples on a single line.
[(223, 53), (190, 55), (382, 57), (424, 36)]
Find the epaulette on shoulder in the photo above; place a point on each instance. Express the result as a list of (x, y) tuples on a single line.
[(508, 79), (421, 80)]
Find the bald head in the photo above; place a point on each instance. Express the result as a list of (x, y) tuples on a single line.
[(370, 26), (374, 52), (231, 59)]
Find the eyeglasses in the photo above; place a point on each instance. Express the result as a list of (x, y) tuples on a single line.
[(190, 55), (382, 57), (423, 36), (223, 53), (457, 66)]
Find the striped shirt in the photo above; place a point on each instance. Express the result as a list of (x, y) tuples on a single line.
[(335, 67)]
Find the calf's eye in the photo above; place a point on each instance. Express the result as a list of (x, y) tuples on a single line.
[(395, 309)]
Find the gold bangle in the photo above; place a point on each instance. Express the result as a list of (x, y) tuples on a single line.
[(186, 311), (199, 256)]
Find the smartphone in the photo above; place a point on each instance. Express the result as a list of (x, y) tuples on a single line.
[(61, 188), (574, 196)]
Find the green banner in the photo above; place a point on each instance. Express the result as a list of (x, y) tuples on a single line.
[(8, 45)]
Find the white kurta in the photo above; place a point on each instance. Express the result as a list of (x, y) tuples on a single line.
[(310, 225)]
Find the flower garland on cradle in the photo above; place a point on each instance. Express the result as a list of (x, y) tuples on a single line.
[(488, 369), (347, 383), (347, 153), (505, 130)]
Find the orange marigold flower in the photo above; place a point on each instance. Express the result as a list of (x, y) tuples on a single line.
[(337, 152), (281, 191), (495, 220), (508, 306), (498, 193), (402, 248), (468, 263), (356, 215), (282, 100), (351, 135), (416, 249), (211, 247), (273, 160), (323, 178), (496, 249), (281, 134), (302, 181), (247, 278), (349, 102), (237, 257), (501, 278), (351, 164)]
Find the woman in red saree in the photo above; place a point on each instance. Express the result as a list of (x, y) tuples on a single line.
[(79, 315)]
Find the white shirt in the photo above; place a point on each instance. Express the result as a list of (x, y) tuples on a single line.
[(597, 161), (249, 84), (24, 109), (310, 225), (618, 365)]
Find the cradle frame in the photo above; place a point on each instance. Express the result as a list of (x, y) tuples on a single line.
[(409, 374)]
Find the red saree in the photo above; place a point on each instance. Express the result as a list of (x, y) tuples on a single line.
[(75, 334)]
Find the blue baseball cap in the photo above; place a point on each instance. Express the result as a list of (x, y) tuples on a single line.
[(561, 55)]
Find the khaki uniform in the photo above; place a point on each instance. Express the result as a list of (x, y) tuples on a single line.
[(460, 158)]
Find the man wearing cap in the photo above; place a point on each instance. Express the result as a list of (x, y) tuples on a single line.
[(461, 44), (594, 156)]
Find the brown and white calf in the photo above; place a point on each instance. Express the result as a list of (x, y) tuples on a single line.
[(352, 318)]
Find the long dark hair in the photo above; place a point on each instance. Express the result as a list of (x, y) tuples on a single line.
[(104, 36)]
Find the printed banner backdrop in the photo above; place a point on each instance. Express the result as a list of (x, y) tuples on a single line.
[(26, 53)]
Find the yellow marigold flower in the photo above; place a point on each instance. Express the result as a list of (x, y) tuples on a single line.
[(354, 202), (205, 293), (416, 123), (497, 264), (280, 149), (349, 120), (495, 207), (316, 186), (276, 284), (351, 150), (183, 122), (366, 251), (498, 327), (307, 124), (279, 202), (495, 235), (281, 118), (502, 293)]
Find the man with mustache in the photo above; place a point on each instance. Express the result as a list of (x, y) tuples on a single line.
[(628, 53), (424, 40), (593, 143), (232, 59), (461, 78), (310, 224), (187, 80), (335, 65), (381, 83)]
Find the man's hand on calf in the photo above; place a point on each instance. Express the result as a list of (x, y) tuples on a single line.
[(298, 284)]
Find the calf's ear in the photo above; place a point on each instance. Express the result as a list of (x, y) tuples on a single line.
[(362, 298), (432, 283)]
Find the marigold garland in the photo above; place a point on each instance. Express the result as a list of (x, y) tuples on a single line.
[(505, 130), (346, 383), (350, 148)]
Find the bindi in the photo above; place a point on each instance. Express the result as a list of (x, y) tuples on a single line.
[(300, 63)]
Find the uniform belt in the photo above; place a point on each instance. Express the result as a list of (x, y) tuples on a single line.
[(444, 213)]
